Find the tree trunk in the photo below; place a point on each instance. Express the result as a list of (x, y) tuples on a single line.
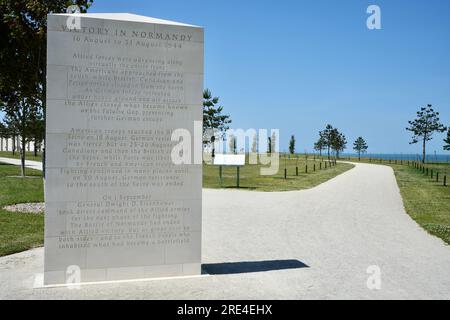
[(22, 157), (359, 155), (13, 146), (423, 148)]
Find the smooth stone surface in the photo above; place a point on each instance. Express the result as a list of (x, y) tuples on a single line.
[(117, 207)]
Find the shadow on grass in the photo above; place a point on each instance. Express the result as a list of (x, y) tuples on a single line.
[(251, 266)]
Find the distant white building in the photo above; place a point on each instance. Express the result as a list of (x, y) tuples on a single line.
[(7, 144)]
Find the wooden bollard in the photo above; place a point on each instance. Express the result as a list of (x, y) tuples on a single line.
[(306, 168), (285, 173), (431, 174), (437, 176), (237, 176), (296, 171), (320, 166), (314, 167), (445, 181)]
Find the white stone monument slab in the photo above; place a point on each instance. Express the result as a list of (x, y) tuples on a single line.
[(116, 206)]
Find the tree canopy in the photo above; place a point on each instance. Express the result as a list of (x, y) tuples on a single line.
[(292, 145), (23, 26), (215, 124), (360, 146), (426, 123), (447, 141), (332, 140)]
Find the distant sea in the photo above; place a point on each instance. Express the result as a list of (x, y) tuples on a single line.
[(398, 156)]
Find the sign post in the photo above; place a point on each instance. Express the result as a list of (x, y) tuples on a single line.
[(237, 177), (237, 160)]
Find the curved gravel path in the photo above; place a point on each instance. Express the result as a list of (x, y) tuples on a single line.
[(337, 230), (37, 165)]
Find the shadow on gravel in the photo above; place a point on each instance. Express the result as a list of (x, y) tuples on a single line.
[(251, 266)]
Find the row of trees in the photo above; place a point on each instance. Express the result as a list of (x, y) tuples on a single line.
[(331, 140), (427, 122)]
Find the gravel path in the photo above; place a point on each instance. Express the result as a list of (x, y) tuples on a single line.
[(37, 165), (335, 231), (37, 207)]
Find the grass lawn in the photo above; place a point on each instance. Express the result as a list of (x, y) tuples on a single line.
[(20, 231), (426, 200), (251, 179), (28, 155)]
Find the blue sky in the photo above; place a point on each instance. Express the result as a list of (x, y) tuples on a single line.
[(298, 65)]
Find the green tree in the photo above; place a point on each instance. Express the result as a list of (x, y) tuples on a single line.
[(426, 123), (23, 117), (292, 145), (447, 141), (327, 138), (338, 142), (37, 130), (360, 146), (4, 134), (320, 145), (215, 124), (23, 26)]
